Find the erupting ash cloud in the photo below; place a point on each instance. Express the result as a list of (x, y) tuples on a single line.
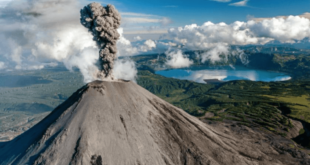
[(43, 33), (103, 22)]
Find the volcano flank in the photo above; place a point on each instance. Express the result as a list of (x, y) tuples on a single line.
[(119, 122)]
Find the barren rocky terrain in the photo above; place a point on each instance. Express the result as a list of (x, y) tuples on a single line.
[(122, 123)]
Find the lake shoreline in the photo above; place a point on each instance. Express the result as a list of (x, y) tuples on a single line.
[(223, 73)]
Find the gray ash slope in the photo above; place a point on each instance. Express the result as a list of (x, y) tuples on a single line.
[(118, 123)]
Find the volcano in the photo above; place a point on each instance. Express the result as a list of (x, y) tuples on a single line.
[(118, 123)]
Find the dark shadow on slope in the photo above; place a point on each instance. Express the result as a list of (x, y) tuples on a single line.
[(304, 138), (47, 143), (285, 109)]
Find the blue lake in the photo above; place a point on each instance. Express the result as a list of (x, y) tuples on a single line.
[(198, 74)]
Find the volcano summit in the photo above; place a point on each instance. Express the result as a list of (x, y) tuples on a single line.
[(119, 123)]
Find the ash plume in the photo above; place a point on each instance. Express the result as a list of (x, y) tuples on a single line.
[(103, 22)]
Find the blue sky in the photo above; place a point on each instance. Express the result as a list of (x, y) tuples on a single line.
[(180, 13), (199, 11), (141, 16)]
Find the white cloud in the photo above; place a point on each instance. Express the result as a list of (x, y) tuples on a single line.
[(165, 21), (140, 23), (45, 31), (221, 0), (216, 38), (250, 17), (209, 34), (200, 76), (176, 59), (125, 69), (304, 15), (124, 14), (85, 60), (282, 29), (3, 3), (2, 65), (241, 3), (150, 44), (142, 20), (134, 20), (126, 48), (40, 31), (137, 38), (29, 67), (221, 52), (214, 54), (242, 56), (138, 32)]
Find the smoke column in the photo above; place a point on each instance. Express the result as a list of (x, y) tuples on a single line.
[(103, 22)]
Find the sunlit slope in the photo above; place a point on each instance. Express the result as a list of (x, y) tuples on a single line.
[(267, 105), (120, 123)]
